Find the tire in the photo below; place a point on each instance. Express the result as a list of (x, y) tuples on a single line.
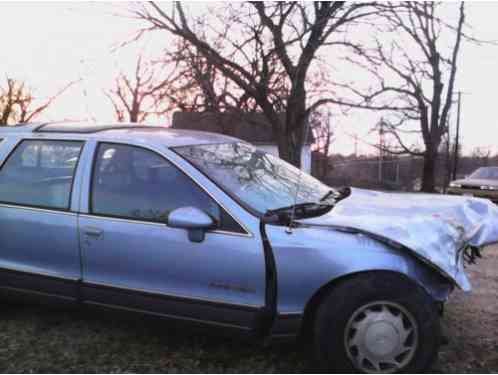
[(377, 322)]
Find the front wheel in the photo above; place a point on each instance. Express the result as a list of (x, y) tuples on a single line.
[(378, 322)]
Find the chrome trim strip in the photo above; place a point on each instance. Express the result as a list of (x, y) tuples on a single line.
[(38, 273), (132, 221), (178, 296), (134, 310), (228, 233), (30, 208), (120, 219)]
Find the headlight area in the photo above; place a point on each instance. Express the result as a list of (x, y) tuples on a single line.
[(489, 188)]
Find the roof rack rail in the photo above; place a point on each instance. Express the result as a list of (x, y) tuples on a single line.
[(85, 128), (23, 124)]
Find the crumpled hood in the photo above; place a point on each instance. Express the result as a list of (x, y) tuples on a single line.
[(435, 228)]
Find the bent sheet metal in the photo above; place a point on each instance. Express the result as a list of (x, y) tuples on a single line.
[(436, 228)]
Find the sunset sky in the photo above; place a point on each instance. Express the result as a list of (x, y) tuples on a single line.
[(51, 44)]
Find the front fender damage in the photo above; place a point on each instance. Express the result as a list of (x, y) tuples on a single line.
[(440, 231), (459, 279)]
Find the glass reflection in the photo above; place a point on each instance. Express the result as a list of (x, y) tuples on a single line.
[(259, 180)]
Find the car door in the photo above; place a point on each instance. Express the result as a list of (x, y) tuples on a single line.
[(39, 248), (133, 260)]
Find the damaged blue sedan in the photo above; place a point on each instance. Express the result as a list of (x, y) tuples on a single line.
[(206, 229)]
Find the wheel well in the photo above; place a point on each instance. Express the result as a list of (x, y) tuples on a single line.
[(306, 331)]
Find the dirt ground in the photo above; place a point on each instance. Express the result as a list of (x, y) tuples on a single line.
[(471, 321), (34, 339)]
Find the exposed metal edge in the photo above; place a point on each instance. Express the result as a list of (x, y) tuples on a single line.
[(271, 287), (177, 317), (182, 298)]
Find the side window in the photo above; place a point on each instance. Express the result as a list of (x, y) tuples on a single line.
[(135, 183), (30, 157), (40, 173)]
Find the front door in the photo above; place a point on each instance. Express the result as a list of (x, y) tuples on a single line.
[(133, 260)]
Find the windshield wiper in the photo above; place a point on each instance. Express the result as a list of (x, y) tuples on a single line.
[(328, 194), (338, 194), (300, 211)]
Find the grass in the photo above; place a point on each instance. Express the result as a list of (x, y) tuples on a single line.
[(42, 340)]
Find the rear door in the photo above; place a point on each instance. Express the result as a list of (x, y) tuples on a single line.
[(133, 260), (39, 246)]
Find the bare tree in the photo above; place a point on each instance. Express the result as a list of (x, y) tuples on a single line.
[(142, 95), (414, 67), (267, 52), (199, 85), (18, 105)]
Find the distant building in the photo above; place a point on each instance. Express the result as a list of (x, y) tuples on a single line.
[(250, 127)]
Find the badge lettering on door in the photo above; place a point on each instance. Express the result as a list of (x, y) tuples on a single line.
[(235, 288)]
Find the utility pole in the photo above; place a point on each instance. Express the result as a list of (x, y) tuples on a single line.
[(381, 147), (448, 170), (397, 172), (356, 146), (457, 137)]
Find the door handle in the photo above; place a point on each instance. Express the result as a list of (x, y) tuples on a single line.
[(92, 231)]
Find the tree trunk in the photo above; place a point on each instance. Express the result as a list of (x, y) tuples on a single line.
[(292, 137), (429, 173), (134, 115), (290, 148)]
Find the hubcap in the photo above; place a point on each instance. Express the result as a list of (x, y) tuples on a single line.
[(381, 337)]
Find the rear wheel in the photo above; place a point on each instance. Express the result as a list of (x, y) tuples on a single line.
[(377, 322)]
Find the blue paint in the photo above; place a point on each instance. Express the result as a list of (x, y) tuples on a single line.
[(420, 237)]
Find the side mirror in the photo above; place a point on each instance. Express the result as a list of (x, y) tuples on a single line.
[(193, 219)]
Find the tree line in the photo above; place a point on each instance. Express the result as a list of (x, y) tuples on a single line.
[(282, 59)]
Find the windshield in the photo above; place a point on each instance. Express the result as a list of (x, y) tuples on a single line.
[(257, 179), (486, 173)]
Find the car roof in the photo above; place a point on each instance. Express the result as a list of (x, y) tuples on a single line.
[(153, 134)]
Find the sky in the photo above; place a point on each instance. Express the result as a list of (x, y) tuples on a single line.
[(51, 44)]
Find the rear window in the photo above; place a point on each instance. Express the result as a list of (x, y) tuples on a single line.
[(40, 173)]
